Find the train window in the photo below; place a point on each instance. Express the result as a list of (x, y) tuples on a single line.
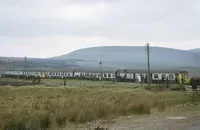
[(171, 76), (105, 75), (155, 76), (109, 75)]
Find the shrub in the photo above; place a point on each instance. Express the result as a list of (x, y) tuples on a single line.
[(177, 87)]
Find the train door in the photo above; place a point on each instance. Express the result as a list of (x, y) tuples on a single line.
[(43, 75), (179, 78), (138, 78), (163, 76), (186, 80)]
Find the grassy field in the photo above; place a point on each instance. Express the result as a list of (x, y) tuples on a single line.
[(42, 107)]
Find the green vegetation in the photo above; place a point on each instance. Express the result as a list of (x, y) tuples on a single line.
[(42, 107)]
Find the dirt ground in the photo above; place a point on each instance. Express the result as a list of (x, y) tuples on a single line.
[(177, 118)]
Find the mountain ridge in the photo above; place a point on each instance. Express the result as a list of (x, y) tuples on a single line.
[(118, 57), (59, 56), (196, 50), (159, 56), (112, 57)]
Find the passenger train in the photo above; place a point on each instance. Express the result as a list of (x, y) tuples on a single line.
[(134, 75)]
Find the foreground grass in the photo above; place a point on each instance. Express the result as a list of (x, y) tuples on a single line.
[(54, 107)]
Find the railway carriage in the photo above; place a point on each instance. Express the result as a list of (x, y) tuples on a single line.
[(156, 76), (21, 74), (126, 75), (64, 73), (94, 74)]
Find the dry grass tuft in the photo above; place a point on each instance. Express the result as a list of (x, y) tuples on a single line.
[(50, 108)]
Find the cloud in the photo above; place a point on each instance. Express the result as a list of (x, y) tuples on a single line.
[(122, 21), (50, 46)]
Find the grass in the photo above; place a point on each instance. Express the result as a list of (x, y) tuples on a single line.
[(90, 84), (40, 107)]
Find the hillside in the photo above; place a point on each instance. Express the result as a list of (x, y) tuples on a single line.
[(133, 57), (197, 50), (11, 63), (113, 57)]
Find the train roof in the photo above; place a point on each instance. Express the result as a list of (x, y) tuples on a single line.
[(24, 70), (152, 71), (95, 70), (124, 70), (60, 70), (81, 70), (110, 71)]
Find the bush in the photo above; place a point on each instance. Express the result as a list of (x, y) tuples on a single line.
[(27, 122), (177, 87)]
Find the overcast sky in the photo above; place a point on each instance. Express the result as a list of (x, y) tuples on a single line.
[(46, 28)]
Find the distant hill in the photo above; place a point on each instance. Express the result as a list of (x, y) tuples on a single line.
[(8, 63), (133, 57), (112, 57), (197, 50)]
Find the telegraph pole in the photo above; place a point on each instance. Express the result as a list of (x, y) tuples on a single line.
[(13, 65), (148, 62), (25, 66), (100, 63)]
